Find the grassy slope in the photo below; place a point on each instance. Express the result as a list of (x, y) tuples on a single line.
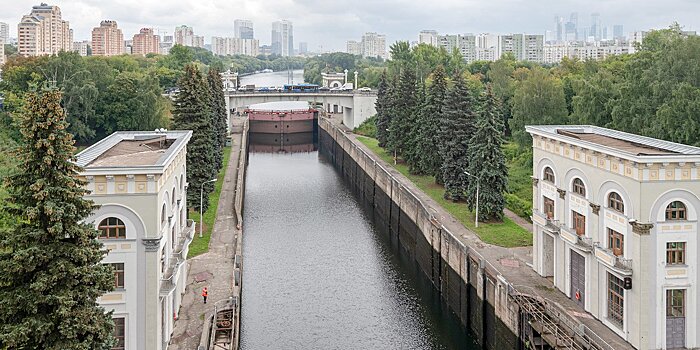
[(505, 234), (201, 245)]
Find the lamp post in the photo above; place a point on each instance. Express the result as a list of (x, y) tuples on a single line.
[(201, 201), (476, 218)]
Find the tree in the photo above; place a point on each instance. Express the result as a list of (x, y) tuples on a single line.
[(403, 105), (50, 262), (457, 128), (383, 107), (500, 75), (538, 99), (413, 140), (429, 120), (486, 160), (219, 116), (192, 111)]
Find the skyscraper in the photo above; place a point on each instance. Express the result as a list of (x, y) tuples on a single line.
[(184, 35), (282, 38), (243, 28), (571, 28), (596, 30), (559, 28), (303, 48), (43, 32), (145, 42), (107, 39), (374, 45), (618, 32)]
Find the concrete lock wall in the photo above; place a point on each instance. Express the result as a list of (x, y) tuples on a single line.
[(476, 294)]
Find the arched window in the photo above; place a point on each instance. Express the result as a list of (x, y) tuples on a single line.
[(163, 215), (676, 211), (112, 228), (549, 174), (615, 202), (578, 187), (173, 201), (182, 182)]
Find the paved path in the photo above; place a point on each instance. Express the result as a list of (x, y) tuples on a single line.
[(213, 269)]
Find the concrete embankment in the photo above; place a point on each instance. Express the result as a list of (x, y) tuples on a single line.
[(490, 289)]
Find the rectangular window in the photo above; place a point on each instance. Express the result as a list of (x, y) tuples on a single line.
[(616, 300), (119, 333), (616, 242), (579, 223), (118, 275), (549, 208), (675, 253), (675, 303)]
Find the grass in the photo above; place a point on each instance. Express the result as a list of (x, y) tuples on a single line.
[(201, 245), (505, 234)]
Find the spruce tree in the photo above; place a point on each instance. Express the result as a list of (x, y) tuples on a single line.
[(219, 118), (50, 261), (403, 106), (383, 110), (412, 148), (457, 128), (429, 161), (486, 160), (192, 112)]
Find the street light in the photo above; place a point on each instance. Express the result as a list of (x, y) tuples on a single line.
[(201, 205), (476, 218)]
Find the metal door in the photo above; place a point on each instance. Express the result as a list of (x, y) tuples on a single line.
[(577, 271), (675, 319)]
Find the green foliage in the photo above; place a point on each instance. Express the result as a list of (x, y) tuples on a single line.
[(192, 111), (219, 117), (404, 103), (369, 69), (368, 127), (50, 261), (430, 161), (486, 161), (383, 106)]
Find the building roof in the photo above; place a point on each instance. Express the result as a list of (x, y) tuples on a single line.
[(280, 106), (133, 149), (613, 141)]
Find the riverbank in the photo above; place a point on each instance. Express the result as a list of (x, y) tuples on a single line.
[(491, 289), (219, 268)]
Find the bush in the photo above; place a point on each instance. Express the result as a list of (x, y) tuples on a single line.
[(368, 127), (518, 206)]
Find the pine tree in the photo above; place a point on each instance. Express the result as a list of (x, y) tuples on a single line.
[(220, 120), (429, 160), (192, 112), (412, 148), (403, 106), (457, 128), (486, 160), (383, 110), (50, 262)]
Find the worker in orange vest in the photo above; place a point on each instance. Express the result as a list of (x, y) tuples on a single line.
[(205, 293)]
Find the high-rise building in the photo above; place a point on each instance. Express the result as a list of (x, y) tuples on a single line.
[(429, 37), (234, 46), (596, 30), (464, 43), (282, 38), (145, 42), (571, 28), (43, 32), (524, 47), (4, 32), (353, 47), (618, 32), (2, 52), (243, 28), (82, 47), (166, 44), (107, 39), (559, 28), (303, 48), (374, 45), (184, 35), (487, 47)]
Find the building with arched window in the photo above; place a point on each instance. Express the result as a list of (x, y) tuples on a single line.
[(137, 179), (615, 228)]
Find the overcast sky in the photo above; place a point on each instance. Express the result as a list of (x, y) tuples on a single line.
[(327, 24)]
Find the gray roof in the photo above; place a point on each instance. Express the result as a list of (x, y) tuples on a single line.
[(637, 142), (90, 154)]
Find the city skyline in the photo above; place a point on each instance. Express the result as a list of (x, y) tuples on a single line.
[(399, 20)]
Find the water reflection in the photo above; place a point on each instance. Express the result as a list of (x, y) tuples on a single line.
[(282, 143)]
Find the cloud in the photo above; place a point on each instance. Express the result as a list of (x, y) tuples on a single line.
[(329, 24)]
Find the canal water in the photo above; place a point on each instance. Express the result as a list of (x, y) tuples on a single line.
[(317, 273), (274, 79)]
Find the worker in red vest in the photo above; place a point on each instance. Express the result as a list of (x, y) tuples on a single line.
[(205, 293)]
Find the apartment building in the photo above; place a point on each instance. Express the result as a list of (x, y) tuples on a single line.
[(353, 47), (145, 42), (234, 46), (107, 39), (598, 51), (428, 37), (4, 32), (282, 38), (82, 47), (43, 32), (138, 179), (616, 228), (466, 44), (524, 47), (243, 28), (374, 45)]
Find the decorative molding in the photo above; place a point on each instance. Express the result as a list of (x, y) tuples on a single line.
[(535, 181), (595, 207), (152, 244), (641, 228), (562, 193)]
